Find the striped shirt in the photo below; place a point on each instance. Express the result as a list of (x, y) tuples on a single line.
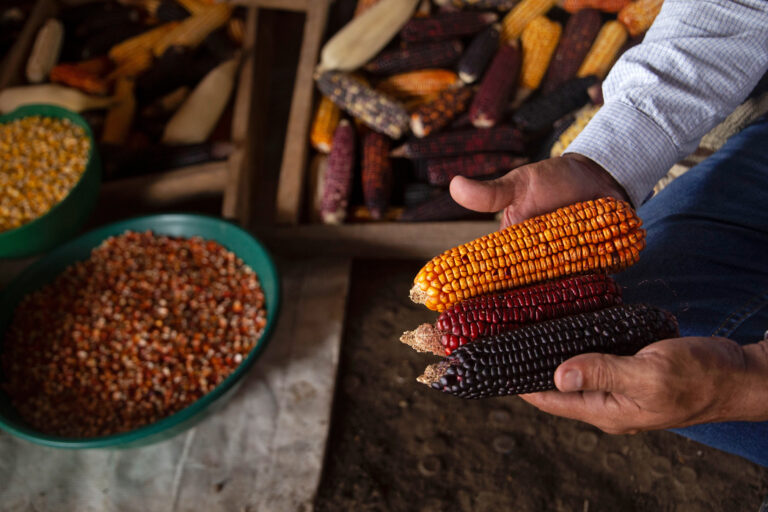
[(696, 64)]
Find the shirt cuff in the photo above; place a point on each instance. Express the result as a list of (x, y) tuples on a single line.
[(630, 146)]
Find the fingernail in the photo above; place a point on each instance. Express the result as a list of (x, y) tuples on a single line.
[(571, 381)]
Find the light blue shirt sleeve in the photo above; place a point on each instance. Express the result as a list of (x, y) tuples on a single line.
[(696, 64)]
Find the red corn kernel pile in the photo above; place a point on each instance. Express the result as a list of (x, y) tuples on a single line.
[(142, 329)]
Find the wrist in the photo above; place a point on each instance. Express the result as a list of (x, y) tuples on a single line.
[(603, 179), (751, 400)]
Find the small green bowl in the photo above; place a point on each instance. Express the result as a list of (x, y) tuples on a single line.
[(43, 271), (67, 217)]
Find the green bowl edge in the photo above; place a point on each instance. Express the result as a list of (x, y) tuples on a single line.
[(91, 177), (31, 279)]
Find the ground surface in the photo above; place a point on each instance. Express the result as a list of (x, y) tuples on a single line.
[(397, 445)]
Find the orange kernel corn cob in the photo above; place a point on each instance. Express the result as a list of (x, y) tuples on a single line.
[(418, 83), (603, 5), (639, 15), (604, 50), (434, 115), (324, 125), (516, 20), (539, 38), (602, 235)]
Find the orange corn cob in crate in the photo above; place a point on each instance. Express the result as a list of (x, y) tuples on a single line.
[(639, 16), (141, 43), (516, 20), (604, 50), (434, 115), (326, 120), (603, 5), (418, 83), (602, 235)]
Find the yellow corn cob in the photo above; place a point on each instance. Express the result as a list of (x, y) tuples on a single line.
[(516, 20), (418, 83), (193, 6), (583, 116), (539, 39), (638, 16), (141, 43), (324, 125), (132, 67), (193, 30), (604, 50), (602, 235)]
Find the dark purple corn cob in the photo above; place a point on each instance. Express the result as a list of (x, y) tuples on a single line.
[(446, 25), (578, 35), (411, 57), (500, 138), (438, 113), (541, 112), (499, 5), (377, 174), (524, 360), (439, 208), (479, 53), (338, 176), (499, 82), (440, 171)]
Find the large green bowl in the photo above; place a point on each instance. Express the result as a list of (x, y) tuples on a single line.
[(245, 246), (67, 217)]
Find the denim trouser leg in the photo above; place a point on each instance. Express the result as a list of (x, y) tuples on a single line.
[(707, 262)]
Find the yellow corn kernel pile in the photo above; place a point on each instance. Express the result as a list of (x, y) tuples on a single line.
[(41, 160)]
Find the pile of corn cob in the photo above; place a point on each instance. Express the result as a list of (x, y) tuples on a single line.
[(442, 88), (516, 303), (152, 77)]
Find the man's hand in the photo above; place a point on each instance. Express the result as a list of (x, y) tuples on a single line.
[(537, 188), (671, 383)]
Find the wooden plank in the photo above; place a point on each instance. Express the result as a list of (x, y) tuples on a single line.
[(374, 240), (13, 66), (292, 171)]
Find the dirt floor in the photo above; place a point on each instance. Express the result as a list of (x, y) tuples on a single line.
[(397, 445)]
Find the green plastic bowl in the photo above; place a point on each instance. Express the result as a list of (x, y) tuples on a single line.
[(67, 217), (43, 271)]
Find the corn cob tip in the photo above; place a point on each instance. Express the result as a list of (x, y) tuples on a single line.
[(595, 93), (433, 373), (523, 93), (490, 17), (417, 126), (418, 295), (425, 338)]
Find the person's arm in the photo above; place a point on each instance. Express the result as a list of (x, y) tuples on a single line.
[(698, 61)]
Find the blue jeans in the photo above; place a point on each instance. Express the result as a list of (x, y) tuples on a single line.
[(707, 262)]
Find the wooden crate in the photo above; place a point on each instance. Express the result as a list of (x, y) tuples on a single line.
[(166, 188)]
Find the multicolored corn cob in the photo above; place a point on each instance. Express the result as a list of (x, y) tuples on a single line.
[(516, 20), (583, 117), (324, 125), (486, 316), (539, 40), (524, 360), (364, 5), (416, 56), (541, 112), (479, 54), (418, 83), (574, 6), (338, 176), (602, 235), (446, 25), (638, 16), (434, 115), (440, 171), (441, 207), (604, 50), (580, 32), (377, 174), (500, 138), (374, 109), (490, 102), (499, 5)]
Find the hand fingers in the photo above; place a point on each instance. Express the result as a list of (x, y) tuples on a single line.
[(598, 372), (603, 410), (486, 196)]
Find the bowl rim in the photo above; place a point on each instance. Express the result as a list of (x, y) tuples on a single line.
[(93, 164), (193, 409)]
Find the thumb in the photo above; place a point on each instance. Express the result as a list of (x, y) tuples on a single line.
[(486, 196), (594, 372)]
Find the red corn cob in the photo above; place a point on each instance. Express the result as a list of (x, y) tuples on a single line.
[(433, 54), (579, 34), (436, 114), (493, 314), (442, 207), (441, 171), (377, 174), (499, 81), (540, 113), (479, 53), (338, 176), (500, 138), (446, 26)]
